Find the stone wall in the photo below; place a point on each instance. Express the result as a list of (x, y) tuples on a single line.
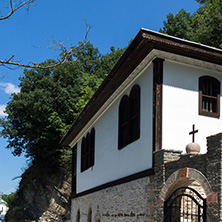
[(174, 169), (125, 202), (214, 175)]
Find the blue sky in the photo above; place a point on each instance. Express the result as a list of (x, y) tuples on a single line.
[(113, 23)]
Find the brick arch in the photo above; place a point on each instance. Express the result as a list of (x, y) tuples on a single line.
[(184, 177)]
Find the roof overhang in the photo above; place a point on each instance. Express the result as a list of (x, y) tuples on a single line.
[(144, 42)]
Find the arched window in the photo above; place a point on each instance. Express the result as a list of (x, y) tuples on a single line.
[(90, 215), (88, 150), (78, 216), (129, 117), (134, 113), (92, 146), (124, 122), (209, 96), (83, 154)]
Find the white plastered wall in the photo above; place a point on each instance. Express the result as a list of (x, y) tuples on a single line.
[(180, 106), (110, 163)]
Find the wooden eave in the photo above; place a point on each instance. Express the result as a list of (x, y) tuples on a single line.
[(141, 46)]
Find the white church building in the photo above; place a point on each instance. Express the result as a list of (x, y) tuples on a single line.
[(130, 140)]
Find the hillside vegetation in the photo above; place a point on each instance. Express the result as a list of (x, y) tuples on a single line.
[(38, 117)]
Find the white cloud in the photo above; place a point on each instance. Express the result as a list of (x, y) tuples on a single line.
[(9, 88), (2, 109)]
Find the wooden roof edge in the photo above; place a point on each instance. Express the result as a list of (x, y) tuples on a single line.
[(148, 32)]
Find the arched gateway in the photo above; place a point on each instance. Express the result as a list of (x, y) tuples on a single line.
[(185, 195), (185, 204)]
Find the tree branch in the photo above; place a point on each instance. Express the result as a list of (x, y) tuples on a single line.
[(88, 27), (13, 8), (66, 55)]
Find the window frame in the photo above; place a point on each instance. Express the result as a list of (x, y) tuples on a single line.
[(90, 215), (88, 150), (215, 86), (78, 216), (126, 107), (123, 121), (134, 113)]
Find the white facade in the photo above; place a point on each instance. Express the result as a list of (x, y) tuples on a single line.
[(110, 162), (179, 113), (181, 106), (169, 107), (167, 70)]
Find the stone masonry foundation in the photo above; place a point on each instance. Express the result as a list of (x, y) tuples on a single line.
[(125, 202)]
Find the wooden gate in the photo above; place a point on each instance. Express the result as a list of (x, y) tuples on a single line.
[(185, 205)]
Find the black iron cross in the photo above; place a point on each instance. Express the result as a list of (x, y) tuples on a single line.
[(193, 133)]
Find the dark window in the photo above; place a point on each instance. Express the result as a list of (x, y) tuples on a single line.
[(83, 154), (78, 216), (209, 96), (88, 150), (134, 113), (129, 117), (90, 215), (124, 122), (92, 146)]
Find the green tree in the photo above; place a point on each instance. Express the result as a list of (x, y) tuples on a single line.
[(50, 100), (208, 24), (88, 83), (8, 198), (204, 26), (179, 25)]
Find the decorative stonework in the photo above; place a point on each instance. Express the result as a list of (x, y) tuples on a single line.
[(190, 175), (212, 198), (183, 173)]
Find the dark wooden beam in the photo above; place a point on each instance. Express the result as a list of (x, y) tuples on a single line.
[(74, 167), (157, 103)]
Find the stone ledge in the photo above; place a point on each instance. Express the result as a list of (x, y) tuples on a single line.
[(168, 151)]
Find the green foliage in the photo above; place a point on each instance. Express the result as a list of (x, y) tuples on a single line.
[(8, 198), (204, 26), (87, 56), (49, 102), (208, 24), (39, 115), (15, 210), (178, 25)]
